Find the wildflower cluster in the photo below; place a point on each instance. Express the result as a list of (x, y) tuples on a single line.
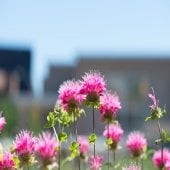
[(91, 91)]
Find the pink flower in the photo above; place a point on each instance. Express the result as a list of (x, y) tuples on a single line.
[(167, 165), (84, 145), (132, 167), (93, 86), (136, 143), (158, 161), (47, 147), (69, 95), (155, 101), (114, 132), (2, 122), (7, 162), (96, 162), (24, 145), (109, 106)]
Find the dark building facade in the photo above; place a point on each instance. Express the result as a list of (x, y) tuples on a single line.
[(15, 69)]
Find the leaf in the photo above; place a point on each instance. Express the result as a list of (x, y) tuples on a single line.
[(92, 138), (62, 137), (109, 141), (147, 118), (74, 149), (51, 120)]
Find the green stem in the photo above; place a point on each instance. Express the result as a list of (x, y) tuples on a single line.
[(94, 148), (114, 158), (162, 142), (76, 137), (108, 148), (59, 155)]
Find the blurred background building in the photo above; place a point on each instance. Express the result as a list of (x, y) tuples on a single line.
[(127, 41)]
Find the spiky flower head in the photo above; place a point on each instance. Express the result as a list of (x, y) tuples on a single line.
[(160, 161), (96, 162), (132, 167), (7, 161), (92, 86), (69, 95), (167, 165), (113, 132), (156, 111), (24, 146), (136, 143), (84, 146), (2, 122), (109, 106), (47, 148), (154, 100)]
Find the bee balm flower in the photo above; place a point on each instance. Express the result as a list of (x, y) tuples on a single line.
[(2, 122), (96, 162), (109, 106), (69, 95), (84, 146), (93, 86), (114, 132), (158, 161), (47, 148), (7, 162), (24, 145), (136, 143)]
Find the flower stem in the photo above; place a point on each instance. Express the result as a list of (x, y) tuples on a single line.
[(76, 137), (94, 148), (162, 142), (114, 158), (59, 155), (108, 156)]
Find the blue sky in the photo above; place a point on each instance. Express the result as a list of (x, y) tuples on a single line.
[(57, 31)]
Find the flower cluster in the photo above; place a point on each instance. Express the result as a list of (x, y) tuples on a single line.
[(109, 106), (96, 162), (113, 132), (84, 146), (47, 148), (92, 86), (2, 122), (69, 95), (160, 162), (136, 143), (24, 145), (91, 91), (7, 161)]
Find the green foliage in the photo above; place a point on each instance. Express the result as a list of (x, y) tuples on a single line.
[(62, 137), (156, 114), (109, 141), (51, 120), (74, 149), (10, 112), (92, 138), (108, 164)]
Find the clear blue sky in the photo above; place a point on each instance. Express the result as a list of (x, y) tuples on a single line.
[(57, 31)]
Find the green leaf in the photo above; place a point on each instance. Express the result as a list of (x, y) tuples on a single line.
[(92, 138), (74, 149), (109, 141), (51, 120), (62, 137), (147, 118)]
